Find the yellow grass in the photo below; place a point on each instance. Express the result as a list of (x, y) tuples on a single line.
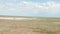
[(37, 26)]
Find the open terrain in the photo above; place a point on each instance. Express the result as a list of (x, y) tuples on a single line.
[(30, 26)]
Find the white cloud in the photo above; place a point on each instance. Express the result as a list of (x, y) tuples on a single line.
[(35, 8)]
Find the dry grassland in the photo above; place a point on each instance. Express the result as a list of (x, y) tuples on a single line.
[(37, 26)]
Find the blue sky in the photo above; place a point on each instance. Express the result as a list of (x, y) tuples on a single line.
[(43, 8)]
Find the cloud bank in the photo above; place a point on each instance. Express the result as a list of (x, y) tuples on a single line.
[(30, 8)]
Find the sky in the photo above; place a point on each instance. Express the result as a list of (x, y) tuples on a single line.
[(40, 8)]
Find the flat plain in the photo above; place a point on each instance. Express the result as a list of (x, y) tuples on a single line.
[(32, 26)]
